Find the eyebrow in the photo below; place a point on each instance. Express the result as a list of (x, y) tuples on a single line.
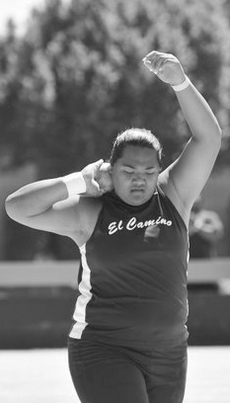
[(147, 168)]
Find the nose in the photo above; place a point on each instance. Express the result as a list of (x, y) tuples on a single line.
[(138, 179)]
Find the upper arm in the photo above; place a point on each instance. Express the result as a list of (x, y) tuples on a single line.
[(66, 217), (184, 179), (62, 217)]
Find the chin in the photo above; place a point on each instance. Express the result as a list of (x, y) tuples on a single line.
[(137, 200)]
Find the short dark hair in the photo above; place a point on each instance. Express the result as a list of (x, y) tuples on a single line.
[(135, 137)]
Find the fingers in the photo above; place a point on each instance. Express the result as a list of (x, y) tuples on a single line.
[(154, 61), (105, 168), (98, 164), (100, 191), (151, 61)]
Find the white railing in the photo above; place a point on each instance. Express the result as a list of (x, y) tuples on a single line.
[(64, 273)]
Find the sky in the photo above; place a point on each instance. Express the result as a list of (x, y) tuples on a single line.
[(18, 10)]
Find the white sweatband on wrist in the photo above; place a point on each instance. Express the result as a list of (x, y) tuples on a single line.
[(75, 183), (182, 86)]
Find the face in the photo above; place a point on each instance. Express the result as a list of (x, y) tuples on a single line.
[(135, 174)]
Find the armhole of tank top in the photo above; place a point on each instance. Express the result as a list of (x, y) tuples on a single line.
[(83, 246), (162, 193)]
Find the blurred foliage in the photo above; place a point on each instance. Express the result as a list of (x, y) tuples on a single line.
[(76, 79)]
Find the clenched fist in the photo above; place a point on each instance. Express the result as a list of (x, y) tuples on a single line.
[(103, 177), (166, 66), (97, 178)]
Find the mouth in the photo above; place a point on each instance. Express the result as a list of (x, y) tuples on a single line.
[(137, 190)]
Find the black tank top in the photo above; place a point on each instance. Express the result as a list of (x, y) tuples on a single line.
[(133, 276)]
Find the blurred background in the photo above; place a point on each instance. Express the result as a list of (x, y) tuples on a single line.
[(71, 78)]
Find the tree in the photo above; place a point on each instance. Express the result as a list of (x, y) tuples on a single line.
[(76, 78), (88, 57)]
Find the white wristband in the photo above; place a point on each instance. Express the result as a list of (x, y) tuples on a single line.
[(75, 183), (182, 86)]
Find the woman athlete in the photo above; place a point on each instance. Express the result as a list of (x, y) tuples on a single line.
[(128, 342)]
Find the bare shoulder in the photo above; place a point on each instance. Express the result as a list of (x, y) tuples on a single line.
[(88, 211)]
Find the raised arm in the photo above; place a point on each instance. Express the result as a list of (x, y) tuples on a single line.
[(55, 204), (184, 179)]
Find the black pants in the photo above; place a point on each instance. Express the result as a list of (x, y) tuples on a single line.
[(110, 374)]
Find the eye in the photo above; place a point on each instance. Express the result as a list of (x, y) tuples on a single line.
[(129, 171), (152, 172)]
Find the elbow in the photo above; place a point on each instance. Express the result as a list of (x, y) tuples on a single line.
[(213, 132), (215, 142), (215, 136), (9, 206), (13, 207)]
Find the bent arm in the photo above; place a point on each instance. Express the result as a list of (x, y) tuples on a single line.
[(54, 204), (189, 173), (183, 180), (37, 205), (36, 197)]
